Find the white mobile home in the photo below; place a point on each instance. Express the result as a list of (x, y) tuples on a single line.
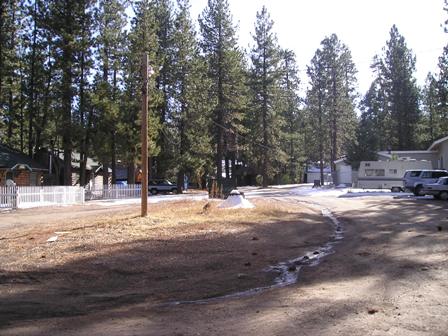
[(387, 174)]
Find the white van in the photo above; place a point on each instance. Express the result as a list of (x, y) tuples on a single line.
[(387, 174)]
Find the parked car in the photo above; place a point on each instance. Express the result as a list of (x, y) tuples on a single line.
[(439, 189), (414, 180), (156, 186)]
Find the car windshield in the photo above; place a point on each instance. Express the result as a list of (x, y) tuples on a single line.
[(413, 173), (442, 180)]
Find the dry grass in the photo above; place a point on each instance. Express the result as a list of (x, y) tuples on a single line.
[(86, 237), (182, 251)]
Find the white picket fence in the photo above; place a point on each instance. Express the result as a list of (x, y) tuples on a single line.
[(30, 197), (8, 197), (116, 191)]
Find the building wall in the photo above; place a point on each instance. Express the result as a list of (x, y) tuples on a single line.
[(2, 177), (312, 176), (343, 174), (23, 178), (442, 157), (422, 156)]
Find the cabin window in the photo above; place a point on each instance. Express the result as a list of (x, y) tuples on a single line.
[(375, 172), (367, 164), (393, 171)]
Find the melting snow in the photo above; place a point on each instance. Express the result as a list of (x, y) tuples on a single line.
[(236, 201), (345, 192)]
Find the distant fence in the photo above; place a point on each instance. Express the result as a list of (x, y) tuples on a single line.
[(116, 191)]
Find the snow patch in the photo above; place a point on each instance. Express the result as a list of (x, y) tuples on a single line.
[(52, 239), (346, 192), (319, 192), (236, 201)]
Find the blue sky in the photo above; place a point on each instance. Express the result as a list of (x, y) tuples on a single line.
[(362, 25)]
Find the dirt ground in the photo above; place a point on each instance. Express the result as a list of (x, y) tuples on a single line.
[(113, 273)]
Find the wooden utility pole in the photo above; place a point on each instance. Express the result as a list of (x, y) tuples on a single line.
[(144, 135)]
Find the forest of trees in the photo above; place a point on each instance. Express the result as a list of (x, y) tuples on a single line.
[(70, 81)]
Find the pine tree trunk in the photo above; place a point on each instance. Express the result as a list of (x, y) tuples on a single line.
[(114, 159), (233, 170), (11, 112), (265, 123), (82, 152), (183, 142), (265, 144), (2, 44), (219, 152), (334, 129), (220, 111), (106, 175), (32, 93), (131, 172), (334, 149), (113, 133), (431, 120), (180, 180), (22, 116), (10, 82), (46, 105), (321, 143), (67, 95), (291, 159), (227, 167)]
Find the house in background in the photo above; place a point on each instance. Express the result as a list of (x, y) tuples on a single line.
[(344, 173), (312, 173), (437, 154), (54, 161), (341, 176), (440, 147), (20, 168), (418, 155)]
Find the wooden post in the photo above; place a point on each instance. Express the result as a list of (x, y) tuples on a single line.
[(144, 136)]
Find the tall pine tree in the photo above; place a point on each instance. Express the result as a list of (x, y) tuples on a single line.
[(292, 132), (266, 117), (190, 106), (227, 74), (401, 93)]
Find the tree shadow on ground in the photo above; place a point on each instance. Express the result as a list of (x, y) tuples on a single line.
[(154, 271), (392, 241)]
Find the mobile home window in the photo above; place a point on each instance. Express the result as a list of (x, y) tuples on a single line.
[(375, 172), (392, 171)]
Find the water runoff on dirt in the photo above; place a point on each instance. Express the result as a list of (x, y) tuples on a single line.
[(288, 271)]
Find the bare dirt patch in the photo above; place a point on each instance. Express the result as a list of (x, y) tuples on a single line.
[(183, 251)]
